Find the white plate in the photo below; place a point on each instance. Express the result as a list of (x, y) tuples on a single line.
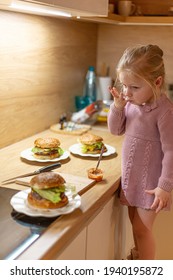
[(76, 149), (28, 154), (19, 203)]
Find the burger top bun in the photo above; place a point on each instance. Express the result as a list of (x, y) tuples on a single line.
[(47, 180), (89, 139), (47, 143)]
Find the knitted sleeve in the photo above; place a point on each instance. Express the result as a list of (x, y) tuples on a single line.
[(165, 126), (116, 120)]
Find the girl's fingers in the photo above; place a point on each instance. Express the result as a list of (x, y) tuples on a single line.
[(161, 199), (119, 99), (114, 92), (154, 205), (158, 205), (149, 191), (118, 95)]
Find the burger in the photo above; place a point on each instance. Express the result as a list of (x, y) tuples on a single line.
[(47, 148), (91, 144), (47, 191)]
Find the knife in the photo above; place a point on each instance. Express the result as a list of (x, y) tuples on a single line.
[(43, 169)]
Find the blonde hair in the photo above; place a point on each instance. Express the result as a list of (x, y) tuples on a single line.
[(144, 61)]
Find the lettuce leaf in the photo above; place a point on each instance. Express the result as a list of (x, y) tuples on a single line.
[(51, 194), (96, 146), (61, 151), (47, 150)]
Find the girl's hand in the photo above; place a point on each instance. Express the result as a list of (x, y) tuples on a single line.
[(119, 99), (161, 198)]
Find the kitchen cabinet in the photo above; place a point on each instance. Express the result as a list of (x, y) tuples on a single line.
[(91, 10), (100, 240), (75, 8), (107, 237), (77, 248), (88, 6), (133, 20)]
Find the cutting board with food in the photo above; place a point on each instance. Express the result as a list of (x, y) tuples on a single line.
[(81, 184), (70, 128)]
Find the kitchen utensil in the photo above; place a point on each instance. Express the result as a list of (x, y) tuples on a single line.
[(126, 8), (100, 157), (43, 169), (95, 173)]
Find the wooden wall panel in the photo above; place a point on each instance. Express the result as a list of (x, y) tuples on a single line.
[(113, 40), (43, 64)]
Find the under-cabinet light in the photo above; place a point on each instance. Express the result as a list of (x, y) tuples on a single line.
[(38, 9)]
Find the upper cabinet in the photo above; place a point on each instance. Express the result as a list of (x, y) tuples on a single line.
[(87, 7), (158, 12), (132, 20), (146, 12), (71, 8)]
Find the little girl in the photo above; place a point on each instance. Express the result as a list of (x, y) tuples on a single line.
[(142, 111)]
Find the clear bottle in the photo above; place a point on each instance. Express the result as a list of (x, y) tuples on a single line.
[(90, 89)]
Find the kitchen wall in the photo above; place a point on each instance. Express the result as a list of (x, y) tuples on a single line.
[(43, 62), (114, 39)]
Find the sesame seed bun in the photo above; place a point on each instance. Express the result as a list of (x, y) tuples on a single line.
[(89, 139), (47, 180), (47, 142)]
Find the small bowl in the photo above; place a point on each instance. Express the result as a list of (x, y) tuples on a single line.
[(96, 175)]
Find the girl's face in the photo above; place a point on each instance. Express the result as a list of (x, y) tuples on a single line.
[(135, 89)]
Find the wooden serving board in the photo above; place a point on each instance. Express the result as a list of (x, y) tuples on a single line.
[(79, 129), (82, 184)]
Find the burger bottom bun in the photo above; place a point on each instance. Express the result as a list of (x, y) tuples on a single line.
[(51, 156), (44, 203)]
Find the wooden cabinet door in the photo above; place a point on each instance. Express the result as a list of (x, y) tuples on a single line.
[(77, 248), (101, 234)]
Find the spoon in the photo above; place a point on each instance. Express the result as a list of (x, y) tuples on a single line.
[(100, 157)]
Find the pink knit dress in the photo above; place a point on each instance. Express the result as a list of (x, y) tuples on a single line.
[(147, 152)]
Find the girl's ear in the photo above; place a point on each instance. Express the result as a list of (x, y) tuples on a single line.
[(159, 81)]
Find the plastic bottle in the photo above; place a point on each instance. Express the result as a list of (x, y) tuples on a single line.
[(90, 89)]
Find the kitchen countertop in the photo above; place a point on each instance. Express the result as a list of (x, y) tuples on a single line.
[(65, 228)]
